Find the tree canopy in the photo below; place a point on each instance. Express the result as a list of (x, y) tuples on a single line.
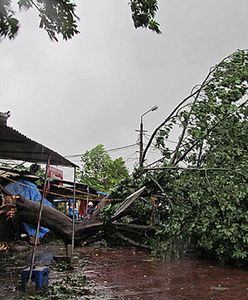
[(100, 171), (201, 183), (209, 197), (58, 17)]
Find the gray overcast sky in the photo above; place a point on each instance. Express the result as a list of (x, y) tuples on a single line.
[(71, 96)]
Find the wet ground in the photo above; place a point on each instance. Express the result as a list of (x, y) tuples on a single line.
[(129, 274)]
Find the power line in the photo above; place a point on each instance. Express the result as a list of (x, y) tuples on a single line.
[(108, 150), (120, 148)]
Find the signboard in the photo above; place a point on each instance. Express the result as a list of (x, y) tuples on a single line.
[(55, 173)]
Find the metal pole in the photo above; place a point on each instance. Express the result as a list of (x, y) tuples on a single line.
[(39, 220), (87, 202), (141, 142), (73, 217), (141, 133)]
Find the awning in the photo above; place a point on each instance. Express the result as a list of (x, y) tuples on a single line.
[(16, 146)]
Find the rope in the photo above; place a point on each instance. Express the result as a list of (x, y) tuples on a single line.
[(61, 195)]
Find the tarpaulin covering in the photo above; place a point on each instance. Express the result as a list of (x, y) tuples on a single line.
[(29, 191)]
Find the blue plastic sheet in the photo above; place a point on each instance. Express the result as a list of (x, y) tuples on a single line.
[(29, 191), (70, 209), (103, 193)]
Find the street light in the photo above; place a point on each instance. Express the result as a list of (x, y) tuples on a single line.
[(155, 107)]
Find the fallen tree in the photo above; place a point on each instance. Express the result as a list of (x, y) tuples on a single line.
[(196, 194), (87, 231), (201, 179)]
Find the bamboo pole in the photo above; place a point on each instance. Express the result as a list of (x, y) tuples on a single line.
[(38, 224), (73, 217)]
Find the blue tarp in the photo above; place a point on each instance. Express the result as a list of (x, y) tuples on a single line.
[(29, 191), (102, 193), (70, 209)]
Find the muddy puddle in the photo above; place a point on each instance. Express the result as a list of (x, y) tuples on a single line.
[(132, 274), (128, 273)]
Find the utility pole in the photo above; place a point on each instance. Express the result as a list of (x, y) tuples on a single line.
[(142, 132), (141, 142)]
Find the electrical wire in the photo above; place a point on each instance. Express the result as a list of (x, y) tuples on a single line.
[(108, 150)]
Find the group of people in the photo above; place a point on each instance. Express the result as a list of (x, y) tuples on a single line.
[(90, 208)]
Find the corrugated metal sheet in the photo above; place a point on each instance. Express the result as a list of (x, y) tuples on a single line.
[(16, 146)]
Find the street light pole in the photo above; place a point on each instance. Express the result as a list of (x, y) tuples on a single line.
[(142, 132), (141, 141)]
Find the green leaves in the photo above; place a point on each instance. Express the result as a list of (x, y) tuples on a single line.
[(8, 24), (58, 17), (25, 4), (205, 186), (143, 14), (100, 171)]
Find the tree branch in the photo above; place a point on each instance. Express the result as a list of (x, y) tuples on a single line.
[(197, 92), (131, 241)]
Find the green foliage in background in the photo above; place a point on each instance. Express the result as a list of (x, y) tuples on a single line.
[(100, 171), (58, 17)]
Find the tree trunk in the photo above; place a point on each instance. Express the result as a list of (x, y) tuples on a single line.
[(27, 211)]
